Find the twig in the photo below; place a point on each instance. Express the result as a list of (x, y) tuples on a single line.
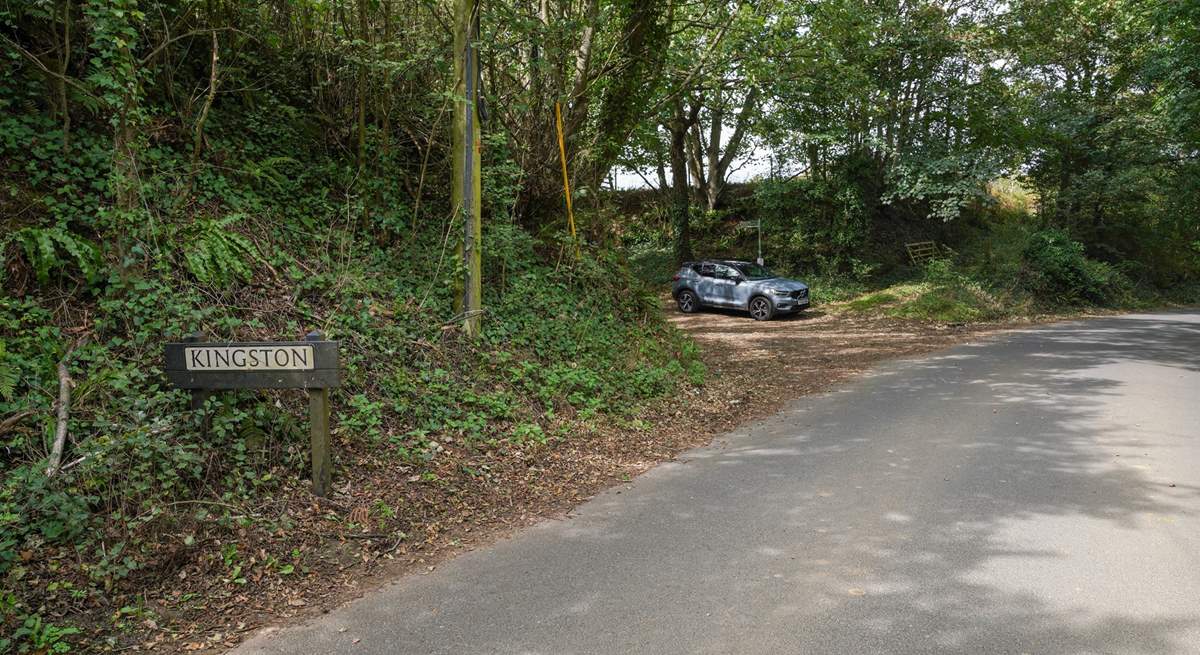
[(198, 131), (71, 465), (7, 423), (463, 316), (425, 164), (38, 62), (185, 35), (64, 409)]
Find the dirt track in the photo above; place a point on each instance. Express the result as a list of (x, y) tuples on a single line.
[(778, 360)]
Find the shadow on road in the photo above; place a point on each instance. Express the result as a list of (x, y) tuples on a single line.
[(999, 498), (922, 571)]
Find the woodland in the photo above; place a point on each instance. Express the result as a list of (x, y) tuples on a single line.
[(257, 169)]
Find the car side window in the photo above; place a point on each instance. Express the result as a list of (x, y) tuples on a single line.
[(707, 270), (724, 272)]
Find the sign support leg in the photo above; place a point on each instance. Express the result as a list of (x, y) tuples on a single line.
[(318, 420)]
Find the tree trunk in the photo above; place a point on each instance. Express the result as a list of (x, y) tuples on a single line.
[(642, 43), (711, 178), (678, 127), (695, 160), (680, 196), (362, 88), (660, 168), (714, 182)]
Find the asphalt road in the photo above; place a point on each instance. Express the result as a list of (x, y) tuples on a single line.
[(1038, 492)]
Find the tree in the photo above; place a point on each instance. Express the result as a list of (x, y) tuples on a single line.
[(710, 156)]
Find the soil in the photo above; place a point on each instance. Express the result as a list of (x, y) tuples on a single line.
[(383, 523), (776, 361)]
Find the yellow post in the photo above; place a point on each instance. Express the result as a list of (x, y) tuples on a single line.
[(562, 154)]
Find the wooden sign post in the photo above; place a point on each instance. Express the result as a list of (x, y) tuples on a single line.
[(312, 364)]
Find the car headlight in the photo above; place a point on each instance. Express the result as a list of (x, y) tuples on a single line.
[(781, 292)]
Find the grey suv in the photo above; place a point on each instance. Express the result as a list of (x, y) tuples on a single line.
[(737, 285)]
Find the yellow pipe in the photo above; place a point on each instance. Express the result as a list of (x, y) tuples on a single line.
[(562, 154)]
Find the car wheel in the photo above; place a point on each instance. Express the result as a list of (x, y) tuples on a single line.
[(761, 308), (688, 302)]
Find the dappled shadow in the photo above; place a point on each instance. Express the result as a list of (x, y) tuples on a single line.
[(1000, 498), (905, 553)]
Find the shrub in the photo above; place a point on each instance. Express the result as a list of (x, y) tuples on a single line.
[(1057, 269)]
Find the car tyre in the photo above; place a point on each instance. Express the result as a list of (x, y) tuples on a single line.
[(761, 308), (688, 302)]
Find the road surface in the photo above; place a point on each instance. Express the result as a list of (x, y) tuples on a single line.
[(1038, 492)]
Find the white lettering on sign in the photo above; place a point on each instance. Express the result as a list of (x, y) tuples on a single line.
[(249, 358)]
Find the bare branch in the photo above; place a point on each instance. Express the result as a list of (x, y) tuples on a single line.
[(63, 409), (41, 66)]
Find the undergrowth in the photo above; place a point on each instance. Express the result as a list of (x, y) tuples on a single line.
[(269, 248)]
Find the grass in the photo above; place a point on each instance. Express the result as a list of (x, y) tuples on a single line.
[(872, 301), (943, 301), (950, 304)]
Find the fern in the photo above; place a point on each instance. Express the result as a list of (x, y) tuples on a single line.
[(219, 255), (265, 171), (8, 376), (56, 249)]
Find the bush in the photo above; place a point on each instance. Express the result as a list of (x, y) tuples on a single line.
[(1056, 270), (814, 225)]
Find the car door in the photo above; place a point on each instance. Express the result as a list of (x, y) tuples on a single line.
[(705, 287), (725, 282), (742, 289)]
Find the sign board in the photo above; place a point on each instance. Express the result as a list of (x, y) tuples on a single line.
[(312, 364), (253, 365)]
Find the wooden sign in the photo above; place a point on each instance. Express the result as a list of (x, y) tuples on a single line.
[(312, 364), (253, 365)]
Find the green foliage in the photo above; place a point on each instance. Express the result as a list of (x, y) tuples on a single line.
[(565, 343), (812, 225), (947, 304), (8, 375), (949, 183), (1057, 269), (34, 635), (948, 296), (651, 264), (217, 255), (55, 249), (942, 293), (129, 219), (872, 301)]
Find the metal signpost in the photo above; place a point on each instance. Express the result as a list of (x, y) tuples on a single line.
[(312, 364), (758, 225)]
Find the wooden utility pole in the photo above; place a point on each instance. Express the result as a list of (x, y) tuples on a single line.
[(466, 186)]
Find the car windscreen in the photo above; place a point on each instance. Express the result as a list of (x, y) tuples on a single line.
[(755, 272)]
